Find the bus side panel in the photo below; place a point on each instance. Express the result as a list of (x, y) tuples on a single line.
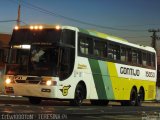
[(122, 86), (109, 85), (119, 83), (82, 72), (102, 81)]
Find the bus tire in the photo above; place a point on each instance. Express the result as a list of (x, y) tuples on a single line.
[(35, 100), (133, 98), (99, 102), (79, 96), (140, 97)]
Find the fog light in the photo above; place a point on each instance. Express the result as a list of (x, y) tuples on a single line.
[(45, 90)]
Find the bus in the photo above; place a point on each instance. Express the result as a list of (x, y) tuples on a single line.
[(70, 63)]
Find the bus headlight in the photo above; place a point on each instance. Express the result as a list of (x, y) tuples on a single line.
[(48, 82), (8, 81)]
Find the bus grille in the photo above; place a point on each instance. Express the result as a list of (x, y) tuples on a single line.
[(27, 81), (30, 80), (20, 81)]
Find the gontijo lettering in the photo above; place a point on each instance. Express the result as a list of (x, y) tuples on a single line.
[(129, 71)]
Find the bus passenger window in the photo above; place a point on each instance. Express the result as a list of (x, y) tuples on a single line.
[(99, 48), (84, 45), (96, 52), (139, 57), (148, 59), (153, 60), (144, 59), (129, 55), (123, 54), (111, 51), (116, 52), (134, 56)]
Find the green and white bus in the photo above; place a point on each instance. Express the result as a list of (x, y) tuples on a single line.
[(70, 63)]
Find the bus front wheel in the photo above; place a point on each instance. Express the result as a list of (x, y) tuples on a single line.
[(79, 96)]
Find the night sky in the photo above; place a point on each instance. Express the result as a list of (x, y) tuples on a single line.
[(129, 19)]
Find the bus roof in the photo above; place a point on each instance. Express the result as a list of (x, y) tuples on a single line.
[(116, 39), (101, 35), (93, 33)]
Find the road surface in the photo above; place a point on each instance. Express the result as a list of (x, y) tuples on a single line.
[(20, 108)]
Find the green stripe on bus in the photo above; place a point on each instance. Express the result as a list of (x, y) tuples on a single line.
[(92, 33), (83, 31), (106, 80), (98, 79)]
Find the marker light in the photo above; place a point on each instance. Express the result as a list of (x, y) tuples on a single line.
[(16, 27), (49, 82), (31, 27), (35, 27), (40, 27), (58, 27), (8, 81)]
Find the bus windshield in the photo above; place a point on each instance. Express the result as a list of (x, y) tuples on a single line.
[(47, 52), (33, 52), (37, 60), (27, 36)]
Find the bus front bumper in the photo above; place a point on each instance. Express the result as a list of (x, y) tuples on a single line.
[(32, 90)]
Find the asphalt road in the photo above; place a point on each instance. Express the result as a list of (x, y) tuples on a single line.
[(20, 109)]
